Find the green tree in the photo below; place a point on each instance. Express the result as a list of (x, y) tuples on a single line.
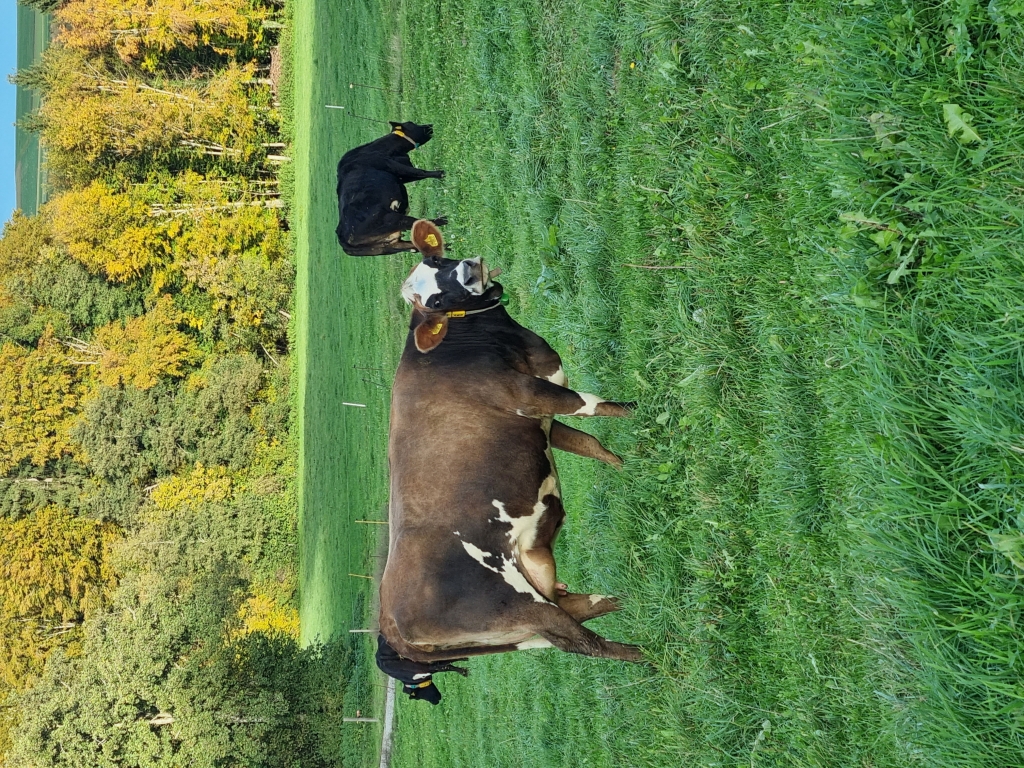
[(40, 287), (131, 438), (164, 680)]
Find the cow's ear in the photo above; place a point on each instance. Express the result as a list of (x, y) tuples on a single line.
[(427, 238), (394, 124), (429, 329)]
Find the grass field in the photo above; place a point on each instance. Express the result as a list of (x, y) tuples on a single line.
[(346, 337), (792, 232)]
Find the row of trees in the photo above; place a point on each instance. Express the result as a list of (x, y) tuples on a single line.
[(147, 477)]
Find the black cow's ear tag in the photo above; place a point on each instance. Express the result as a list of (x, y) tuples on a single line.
[(430, 332)]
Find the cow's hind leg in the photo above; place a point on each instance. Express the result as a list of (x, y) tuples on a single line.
[(564, 632), (565, 438), (586, 607)]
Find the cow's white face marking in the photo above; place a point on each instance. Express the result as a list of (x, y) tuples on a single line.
[(468, 273), (590, 403), (533, 642), (558, 377), (595, 599), (428, 281), (509, 573), (422, 282), (394, 205)]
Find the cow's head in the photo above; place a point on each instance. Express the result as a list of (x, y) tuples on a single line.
[(437, 287), (420, 134), (425, 691)]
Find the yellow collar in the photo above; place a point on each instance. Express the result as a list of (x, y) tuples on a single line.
[(398, 132), (464, 312)]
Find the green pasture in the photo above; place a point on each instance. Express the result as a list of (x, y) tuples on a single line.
[(792, 233)]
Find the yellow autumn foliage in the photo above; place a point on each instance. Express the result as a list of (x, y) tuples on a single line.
[(107, 231), (92, 114), (262, 613), (133, 27), (237, 258), (40, 391), (55, 571), (141, 350), (202, 484), (24, 237)]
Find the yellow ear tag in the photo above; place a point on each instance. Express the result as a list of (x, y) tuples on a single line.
[(437, 329), (432, 240)]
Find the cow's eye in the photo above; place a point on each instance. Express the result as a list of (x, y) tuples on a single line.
[(435, 302)]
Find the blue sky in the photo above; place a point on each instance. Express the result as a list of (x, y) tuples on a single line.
[(8, 63)]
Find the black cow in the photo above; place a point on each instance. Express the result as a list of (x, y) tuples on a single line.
[(416, 677), (475, 501), (373, 205)]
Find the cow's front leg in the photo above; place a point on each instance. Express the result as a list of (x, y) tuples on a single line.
[(565, 438), (534, 397), (406, 173), (586, 607)]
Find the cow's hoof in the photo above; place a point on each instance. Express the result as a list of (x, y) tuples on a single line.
[(629, 653), (439, 174), (610, 408)]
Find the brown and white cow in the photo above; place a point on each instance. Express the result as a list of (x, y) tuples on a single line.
[(475, 500)]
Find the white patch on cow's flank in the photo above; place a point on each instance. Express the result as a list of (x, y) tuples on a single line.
[(395, 205), (523, 532), (558, 377), (595, 599), (422, 282), (533, 642), (508, 572), (590, 403)]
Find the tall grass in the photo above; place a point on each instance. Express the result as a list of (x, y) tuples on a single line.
[(753, 219)]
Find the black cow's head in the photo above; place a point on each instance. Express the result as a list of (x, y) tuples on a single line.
[(425, 691), (420, 134), (438, 287)]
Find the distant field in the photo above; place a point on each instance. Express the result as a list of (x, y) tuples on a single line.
[(33, 33), (771, 225)]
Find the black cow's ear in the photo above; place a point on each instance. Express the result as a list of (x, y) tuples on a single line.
[(429, 329), (427, 238), (394, 125)]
